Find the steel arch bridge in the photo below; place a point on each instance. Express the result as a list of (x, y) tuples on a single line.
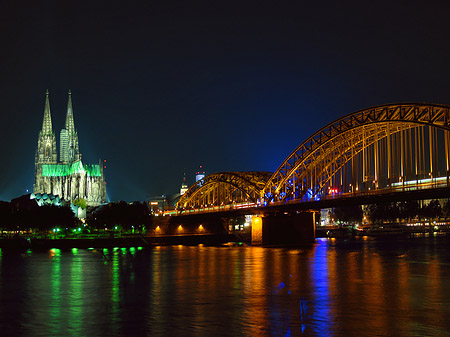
[(389, 147), (224, 189), (383, 147)]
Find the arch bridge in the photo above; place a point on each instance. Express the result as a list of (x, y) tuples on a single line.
[(392, 147), (223, 190)]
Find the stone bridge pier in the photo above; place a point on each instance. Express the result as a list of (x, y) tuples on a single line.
[(276, 229)]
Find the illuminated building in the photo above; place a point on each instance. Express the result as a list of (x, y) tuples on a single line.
[(69, 178), (200, 174), (184, 186)]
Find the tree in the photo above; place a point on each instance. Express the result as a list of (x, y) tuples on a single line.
[(47, 217), (376, 213), (433, 210), (6, 216), (408, 209), (349, 214), (80, 203), (120, 214), (446, 209)]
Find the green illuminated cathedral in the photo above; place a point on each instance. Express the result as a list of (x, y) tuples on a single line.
[(67, 178)]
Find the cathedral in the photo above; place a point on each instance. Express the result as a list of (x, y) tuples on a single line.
[(67, 178)]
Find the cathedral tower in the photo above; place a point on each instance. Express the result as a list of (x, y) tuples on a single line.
[(69, 149), (46, 152)]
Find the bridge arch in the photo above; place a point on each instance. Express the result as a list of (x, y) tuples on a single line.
[(370, 149), (224, 188)]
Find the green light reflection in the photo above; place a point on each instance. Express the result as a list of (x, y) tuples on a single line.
[(115, 273), (75, 300), (55, 297), (54, 252)]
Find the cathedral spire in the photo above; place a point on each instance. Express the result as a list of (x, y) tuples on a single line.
[(69, 149), (70, 125), (46, 152), (47, 122)]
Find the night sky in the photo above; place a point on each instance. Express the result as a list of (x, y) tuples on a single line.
[(160, 88)]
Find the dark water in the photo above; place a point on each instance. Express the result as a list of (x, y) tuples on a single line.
[(359, 287)]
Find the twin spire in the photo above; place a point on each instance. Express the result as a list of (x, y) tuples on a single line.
[(69, 149), (47, 123)]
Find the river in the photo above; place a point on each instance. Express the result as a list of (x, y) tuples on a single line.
[(334, 287)]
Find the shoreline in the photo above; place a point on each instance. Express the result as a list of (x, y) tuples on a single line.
[(22, 243)]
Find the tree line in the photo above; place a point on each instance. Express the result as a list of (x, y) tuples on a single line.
[(120, 214), (13, 218), (125, 216)]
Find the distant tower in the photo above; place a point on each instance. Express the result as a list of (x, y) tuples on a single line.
[(200, 174), (46, 152), (69, 149), (184, 186)]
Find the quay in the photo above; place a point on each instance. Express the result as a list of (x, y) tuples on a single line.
[(25, 243)]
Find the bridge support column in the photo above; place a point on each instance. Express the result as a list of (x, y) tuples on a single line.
[(283, 229)]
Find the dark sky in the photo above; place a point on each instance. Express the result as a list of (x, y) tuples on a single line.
[(160, 88)]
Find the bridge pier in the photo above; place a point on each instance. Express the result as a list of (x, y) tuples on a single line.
[(283, 229)]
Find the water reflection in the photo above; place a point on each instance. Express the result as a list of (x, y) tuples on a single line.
[(334, 287), (321, 265)]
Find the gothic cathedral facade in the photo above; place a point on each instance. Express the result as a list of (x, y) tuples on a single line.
[(67, 178)]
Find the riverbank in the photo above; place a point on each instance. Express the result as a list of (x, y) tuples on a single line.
[(24, 243)]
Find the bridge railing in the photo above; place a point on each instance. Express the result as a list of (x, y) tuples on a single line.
[(420, 184)]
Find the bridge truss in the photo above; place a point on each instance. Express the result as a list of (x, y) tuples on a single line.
[(396, 146), (384, 148), (224, 188)]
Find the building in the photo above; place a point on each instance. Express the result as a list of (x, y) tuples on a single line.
[(184, 186), (67, 178), (200, 174)]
